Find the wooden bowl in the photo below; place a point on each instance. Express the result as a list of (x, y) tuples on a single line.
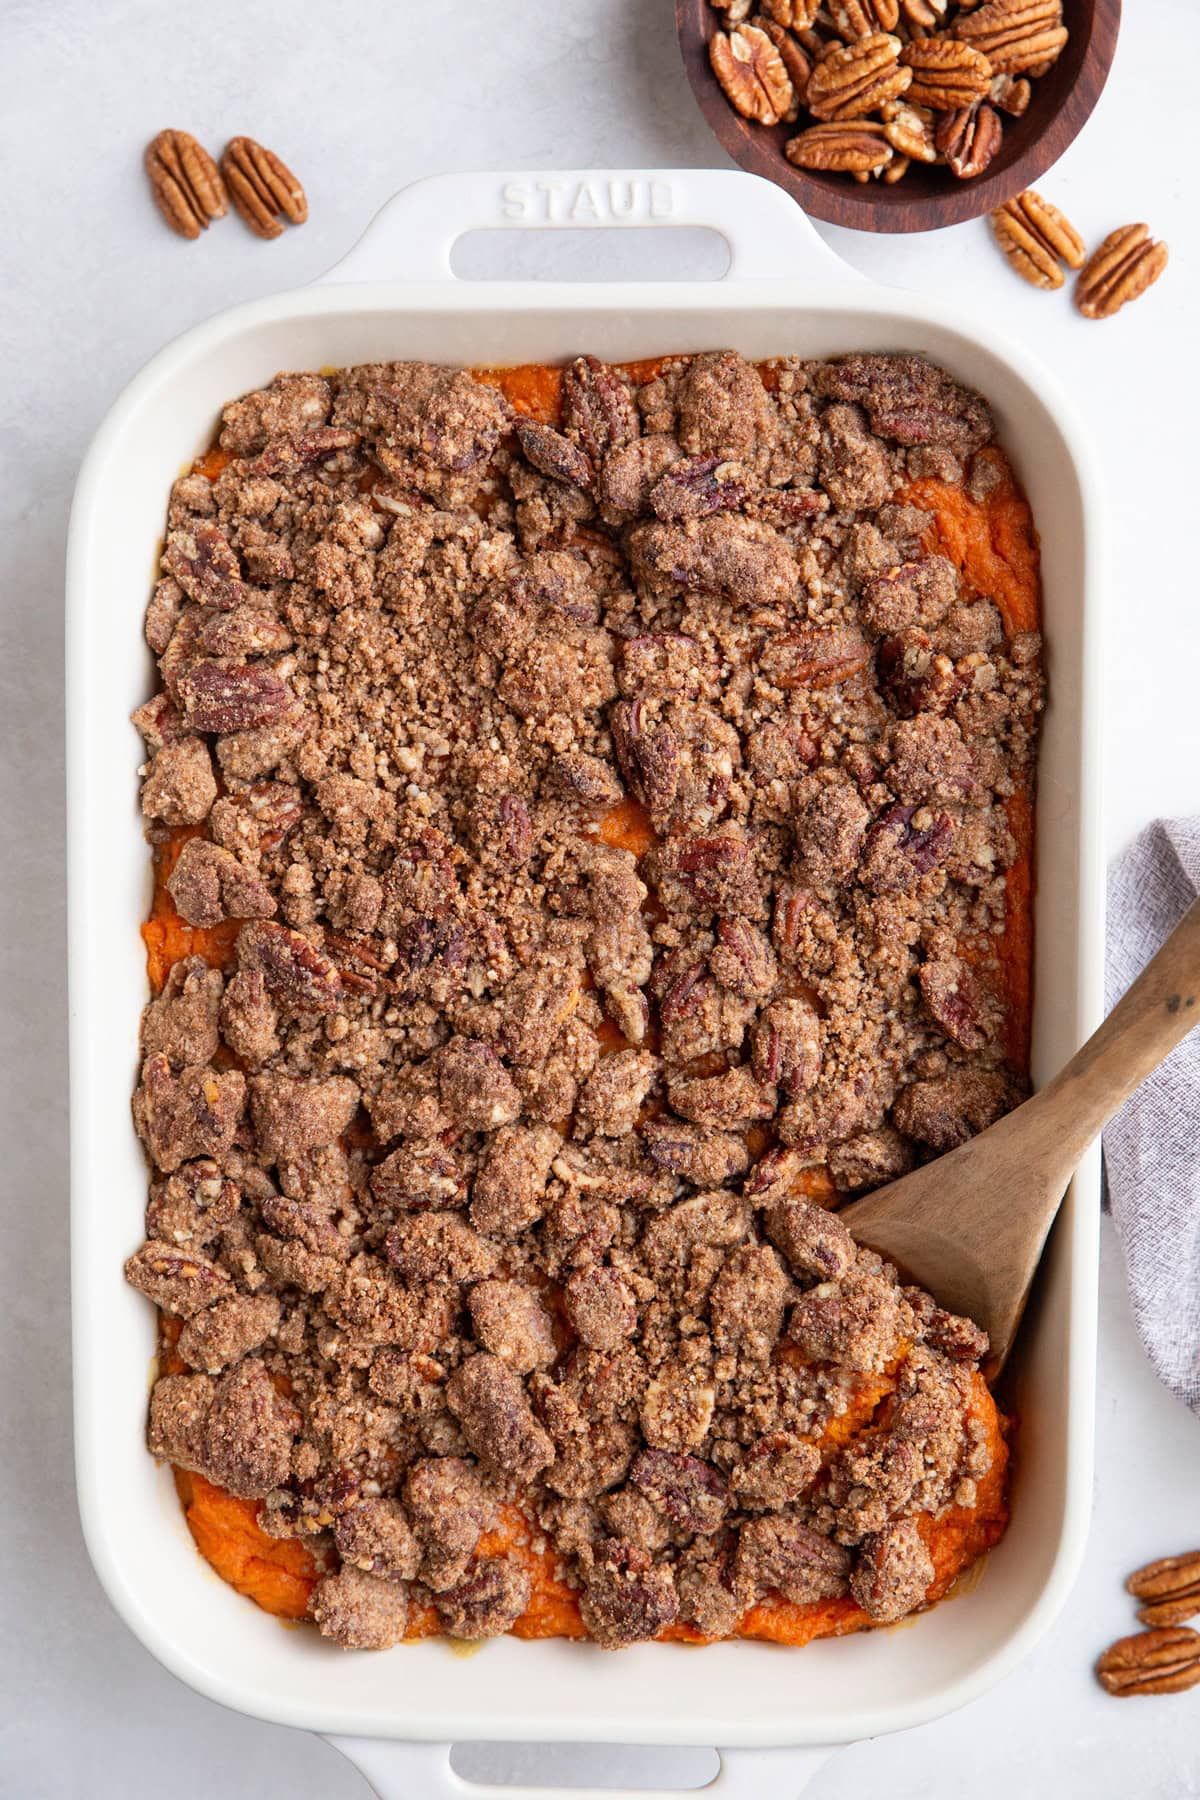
[(929, 195)]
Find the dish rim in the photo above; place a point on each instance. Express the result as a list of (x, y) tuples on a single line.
[(891, 310)]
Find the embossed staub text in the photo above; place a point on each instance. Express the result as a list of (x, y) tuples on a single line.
[(549, 200)]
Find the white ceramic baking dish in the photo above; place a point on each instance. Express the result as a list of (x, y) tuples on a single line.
[(774, 1712)]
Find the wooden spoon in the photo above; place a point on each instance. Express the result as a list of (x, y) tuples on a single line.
[(970, 1226)]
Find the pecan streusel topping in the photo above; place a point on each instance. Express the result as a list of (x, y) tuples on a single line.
[(591, 836)]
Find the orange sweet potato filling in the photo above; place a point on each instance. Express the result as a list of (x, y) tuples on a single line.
[(212, 462), (169, 938), (993, 544), (279, 1574)]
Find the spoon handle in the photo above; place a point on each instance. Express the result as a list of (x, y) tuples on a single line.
[(1154, 1015)]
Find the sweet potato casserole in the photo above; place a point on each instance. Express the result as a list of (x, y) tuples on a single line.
[(591, 812)]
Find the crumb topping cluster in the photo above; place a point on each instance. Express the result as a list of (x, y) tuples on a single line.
[(613, 818)]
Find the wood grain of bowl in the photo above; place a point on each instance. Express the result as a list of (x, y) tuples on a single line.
[(929, 196)]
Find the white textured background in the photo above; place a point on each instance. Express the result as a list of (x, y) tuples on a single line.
[(361, 96)]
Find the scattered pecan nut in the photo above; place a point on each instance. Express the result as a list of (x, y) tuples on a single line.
[(851, 80), (1125, 265), (487, 1602), (777, 1551), (1165, 1661), (1036, 238), (286, 454), (914, 679), (626, 1596), (1169, 1589), (1015, 35), (187, 185), (969, 139), (704, 1157), (752, 74), (893, 1572), (946, 73), (262, 187)]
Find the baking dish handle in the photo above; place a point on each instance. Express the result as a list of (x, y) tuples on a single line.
[(398, 1771), (412, 235)]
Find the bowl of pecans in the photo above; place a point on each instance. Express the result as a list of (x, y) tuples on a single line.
[(897, 115)]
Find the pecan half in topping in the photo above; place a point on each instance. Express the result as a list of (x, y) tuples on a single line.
[(904, 845), (698, 485), (294, 970), (648, 755), (220, 699), (555, 455), (688, 1489), (205, 566), (786, 1045), (816, 657), (598, 410)]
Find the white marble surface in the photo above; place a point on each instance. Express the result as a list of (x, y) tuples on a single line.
[(363, 96)]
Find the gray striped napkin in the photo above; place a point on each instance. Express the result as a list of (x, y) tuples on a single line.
[(1152, 1147)]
